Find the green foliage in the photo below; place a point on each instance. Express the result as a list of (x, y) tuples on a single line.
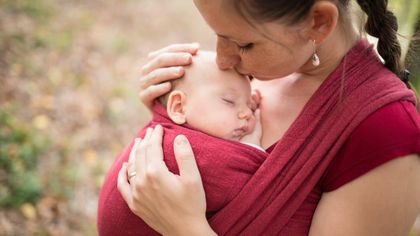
[(36, 9), (19, 151)]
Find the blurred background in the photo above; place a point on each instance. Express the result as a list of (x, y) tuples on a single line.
[(68, 98)]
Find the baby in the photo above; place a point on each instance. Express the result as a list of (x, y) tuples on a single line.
[(216, 102), (214, 110)]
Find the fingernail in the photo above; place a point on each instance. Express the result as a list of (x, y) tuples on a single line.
[(181, 140), (167, 85), (187, 57), (179, 69)]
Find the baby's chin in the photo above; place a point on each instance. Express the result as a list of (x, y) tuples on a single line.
[(235, 136)]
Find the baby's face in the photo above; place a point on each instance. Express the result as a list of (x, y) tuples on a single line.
[(217, 102)]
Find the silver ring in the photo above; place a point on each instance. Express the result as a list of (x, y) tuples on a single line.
[(131, 175)]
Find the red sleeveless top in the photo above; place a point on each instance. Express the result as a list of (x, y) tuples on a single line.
[(389, 133)]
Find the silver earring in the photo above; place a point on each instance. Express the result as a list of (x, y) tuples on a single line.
[(315, 58)]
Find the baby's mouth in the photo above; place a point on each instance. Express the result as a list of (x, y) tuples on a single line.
[(240, 132)]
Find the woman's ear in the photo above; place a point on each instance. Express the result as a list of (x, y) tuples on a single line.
[(323, 18), (175, 107)]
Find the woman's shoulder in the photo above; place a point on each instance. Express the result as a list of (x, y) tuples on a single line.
[(390, 132)]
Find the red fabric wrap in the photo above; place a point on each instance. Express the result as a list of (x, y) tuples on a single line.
[(257, 195), (225, 166)]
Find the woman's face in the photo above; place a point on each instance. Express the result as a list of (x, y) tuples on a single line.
[(266, 51)]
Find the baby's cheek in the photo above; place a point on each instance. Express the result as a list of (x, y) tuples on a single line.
[(214, 126)]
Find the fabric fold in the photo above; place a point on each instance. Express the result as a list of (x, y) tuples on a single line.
[(225, 166), (250, 192), (359, 86)]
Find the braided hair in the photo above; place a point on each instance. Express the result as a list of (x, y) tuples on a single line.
[(382, 24)]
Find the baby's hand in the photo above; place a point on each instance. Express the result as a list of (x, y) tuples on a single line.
[(255, 99), (255, 136)]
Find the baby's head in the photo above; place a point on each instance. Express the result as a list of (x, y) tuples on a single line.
[(213, 101)]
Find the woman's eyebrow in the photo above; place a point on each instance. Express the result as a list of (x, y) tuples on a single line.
[(224, 36), (230, 38)]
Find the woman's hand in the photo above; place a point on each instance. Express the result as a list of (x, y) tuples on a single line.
[(164, 65), (171, 204)]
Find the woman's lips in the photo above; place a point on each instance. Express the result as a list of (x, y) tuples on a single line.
[(247, 75)]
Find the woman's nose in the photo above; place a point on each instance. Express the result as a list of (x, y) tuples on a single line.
[(227, 55)]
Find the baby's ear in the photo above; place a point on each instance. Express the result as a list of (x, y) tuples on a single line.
[(175, 107)]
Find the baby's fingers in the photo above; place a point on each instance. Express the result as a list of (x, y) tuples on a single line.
[(255, 99)]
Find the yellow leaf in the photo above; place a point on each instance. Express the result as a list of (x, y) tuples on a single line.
[(90, 156), (28, 211), (41, 121)]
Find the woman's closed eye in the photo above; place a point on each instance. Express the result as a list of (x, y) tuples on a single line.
[(245, 47)]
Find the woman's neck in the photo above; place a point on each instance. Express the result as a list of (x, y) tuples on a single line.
[(284, 98)]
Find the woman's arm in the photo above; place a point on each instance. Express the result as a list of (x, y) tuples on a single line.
[(171, 204), (384, 201)]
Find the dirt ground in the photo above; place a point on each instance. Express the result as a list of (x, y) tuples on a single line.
[(69, 71)]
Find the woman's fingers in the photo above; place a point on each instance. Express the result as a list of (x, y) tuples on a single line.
[(148, 95), (158, 196), (164, 65), (166, 59), (132, 157), (131, 165), (156, 75), (191, 48), (140, 161), (160, 75), (154, 157), (123, 185), (185, 158)]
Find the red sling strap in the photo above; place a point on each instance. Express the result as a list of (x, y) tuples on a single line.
[(359, 86)]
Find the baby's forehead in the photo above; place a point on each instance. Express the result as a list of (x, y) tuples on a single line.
[(204, 60), (204, 66)]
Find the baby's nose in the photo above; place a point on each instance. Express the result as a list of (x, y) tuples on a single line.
[(245, 114)]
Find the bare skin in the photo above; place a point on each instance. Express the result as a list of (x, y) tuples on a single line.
[(383, 201)]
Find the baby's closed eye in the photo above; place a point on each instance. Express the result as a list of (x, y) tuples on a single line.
[(229, 101)]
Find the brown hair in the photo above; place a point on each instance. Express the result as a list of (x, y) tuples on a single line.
[(381, 23)]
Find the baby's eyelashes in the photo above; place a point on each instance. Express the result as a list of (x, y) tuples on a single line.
[(228, 101)]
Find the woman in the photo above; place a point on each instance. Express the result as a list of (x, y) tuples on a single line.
[(366, 184)]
